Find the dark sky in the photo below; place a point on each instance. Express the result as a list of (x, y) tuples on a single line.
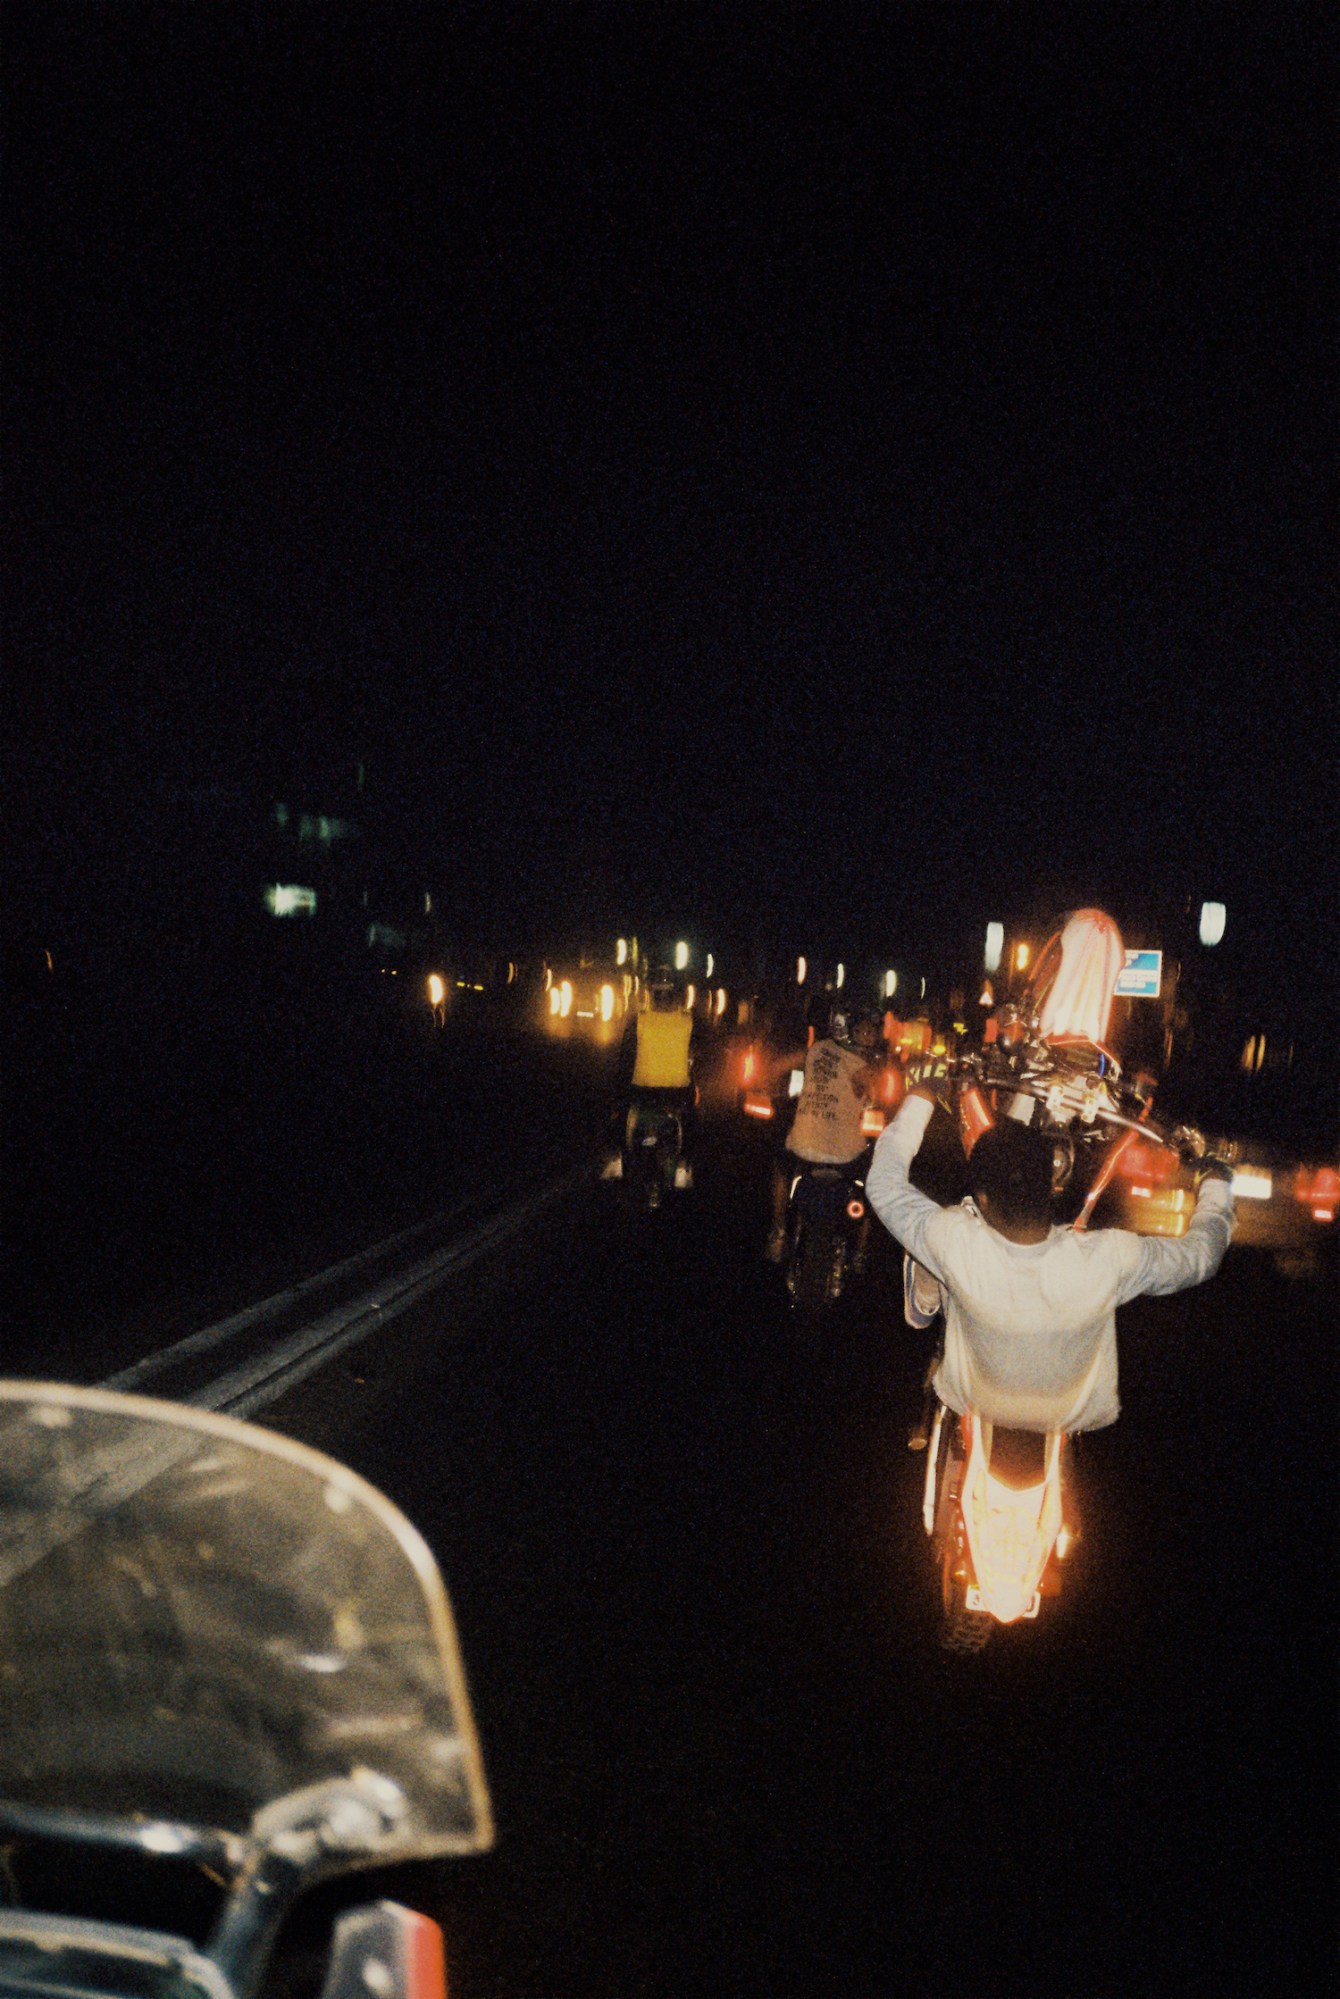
[(853, 462)]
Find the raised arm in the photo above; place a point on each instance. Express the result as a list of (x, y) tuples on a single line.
[(1167, 1263), (905, 1212)]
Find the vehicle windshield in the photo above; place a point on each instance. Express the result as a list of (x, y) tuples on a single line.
[(198, 1618)]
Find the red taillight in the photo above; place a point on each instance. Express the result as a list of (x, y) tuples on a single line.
[(1319, 1189), (749, 1065), (757, 1104)]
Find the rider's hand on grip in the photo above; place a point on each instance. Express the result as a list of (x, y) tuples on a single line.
[(933, 1075)]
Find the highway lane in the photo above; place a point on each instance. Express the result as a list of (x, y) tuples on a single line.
[(725, 1751)]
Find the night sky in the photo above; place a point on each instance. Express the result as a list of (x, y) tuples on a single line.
[(867, 465)]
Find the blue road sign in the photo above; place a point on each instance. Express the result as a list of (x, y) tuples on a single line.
[(1141, 977)]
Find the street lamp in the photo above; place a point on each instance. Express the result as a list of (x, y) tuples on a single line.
[(1213, 918)]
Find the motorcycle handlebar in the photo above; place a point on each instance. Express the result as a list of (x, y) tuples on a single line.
[(1189, 1144)]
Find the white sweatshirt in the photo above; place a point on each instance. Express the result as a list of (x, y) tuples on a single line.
[(1030, 1328)]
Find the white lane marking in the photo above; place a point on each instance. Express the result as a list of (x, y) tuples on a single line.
[(252, 1385)]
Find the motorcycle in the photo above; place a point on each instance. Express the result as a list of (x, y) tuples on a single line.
[(999, 1504), (826, 1227), (225, 1659), (653, 1163)]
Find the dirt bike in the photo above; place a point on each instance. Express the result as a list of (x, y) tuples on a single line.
[(998, 1504), (228, 1662)]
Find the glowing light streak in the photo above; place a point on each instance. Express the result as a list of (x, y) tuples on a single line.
[(437, 989), (841, 979), (286, 899), (681, 956), (1252, 1183), (995, 944), (890, 984), (1213, 919), (801, 969), (607, 1002)]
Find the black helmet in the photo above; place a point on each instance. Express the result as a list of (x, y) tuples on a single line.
[(662, 989)]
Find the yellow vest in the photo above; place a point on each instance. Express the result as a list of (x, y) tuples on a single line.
[(662, 1051)]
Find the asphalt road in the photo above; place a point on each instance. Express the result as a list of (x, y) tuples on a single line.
[(726, 1753)]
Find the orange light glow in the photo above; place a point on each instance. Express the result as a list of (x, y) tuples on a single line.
[(1145, 1161), (748, 1066), (437, 989), (1011, 1531), (872, 1121), (757, 1104), (974, 1117)]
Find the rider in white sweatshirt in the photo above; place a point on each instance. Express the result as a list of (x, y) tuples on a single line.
[(1030, 1307)]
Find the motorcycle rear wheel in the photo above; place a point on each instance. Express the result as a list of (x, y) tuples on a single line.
[(962, 1630), (811, 1272)]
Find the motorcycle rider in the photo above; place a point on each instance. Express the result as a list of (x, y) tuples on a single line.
[(1030, 1306), (656, 1061), (826, 1129)]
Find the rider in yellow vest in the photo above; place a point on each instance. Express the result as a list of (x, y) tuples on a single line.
[(660, 1043)]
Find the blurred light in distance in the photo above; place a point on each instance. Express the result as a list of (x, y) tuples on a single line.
[(890, 984), (1022, 955), (284, 899), (841, 977), (437, 988), (1253, 1183), (690, 998), (872, 1121), (555, 1000), (795, 1082), (801, 969), (621, 952), (923, 989), (607, 1002), (1213, 918), (565, 998), (995, 944), (988, 996), (681, 956), (710, 966), (721, 1001)]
